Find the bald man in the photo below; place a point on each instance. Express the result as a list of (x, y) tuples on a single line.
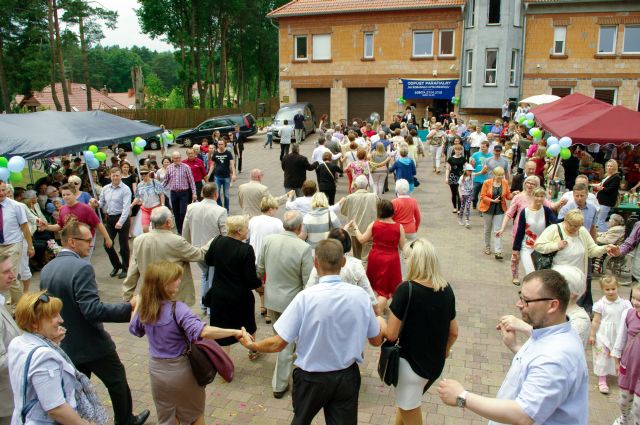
[(250, 194)]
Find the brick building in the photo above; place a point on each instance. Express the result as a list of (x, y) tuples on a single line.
[(350, 57), (584, 46)]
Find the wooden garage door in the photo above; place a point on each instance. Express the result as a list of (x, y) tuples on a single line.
[(320, 98), (362, 102)]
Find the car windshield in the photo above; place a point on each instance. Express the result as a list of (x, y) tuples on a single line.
[(286, 114)]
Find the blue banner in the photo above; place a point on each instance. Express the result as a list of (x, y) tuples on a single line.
[(428, 89)]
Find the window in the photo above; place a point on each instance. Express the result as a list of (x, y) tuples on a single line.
[(446, 42), (322, 47), (471, 17), (513, 70), (559, 38), (607, 40), (631, 43), (300, 47), (494, 12), (561, 91), (422, 43), (517, 13), (491, 67), (606, 95), (368, 44), (469, 74)]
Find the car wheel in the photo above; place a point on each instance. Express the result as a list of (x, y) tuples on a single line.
[(187, 143), (154, 145), (304, 134)]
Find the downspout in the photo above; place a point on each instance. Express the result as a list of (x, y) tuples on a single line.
[(277, 29), (463, 57), (524, 37)]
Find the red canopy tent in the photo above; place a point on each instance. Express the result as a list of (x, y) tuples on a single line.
[(588, 121)]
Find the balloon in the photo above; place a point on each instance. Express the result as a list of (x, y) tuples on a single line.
[(565, 153), (552, 141), (3, 161), (93, 163), (565, 142), (554, 150), (137, 139), (522, 119), (141, 143), (100, 156), (530, 116), (537, 133), (93, 149), (4, 174), (137, 150), (170, 135), (16, 164), (549, 154), (88, 156), (15, 177), (530, 123)]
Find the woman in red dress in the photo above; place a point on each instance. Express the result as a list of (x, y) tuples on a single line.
[(383, 265)]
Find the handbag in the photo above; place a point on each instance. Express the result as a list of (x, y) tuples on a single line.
[(389, 363), (545, 261), (206, 357)]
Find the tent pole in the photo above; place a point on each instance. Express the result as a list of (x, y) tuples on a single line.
[(93, 188), (30, 165)]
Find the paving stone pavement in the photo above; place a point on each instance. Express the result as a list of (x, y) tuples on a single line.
[(483, 290)]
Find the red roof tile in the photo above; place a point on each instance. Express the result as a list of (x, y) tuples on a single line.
[(77, 98), (324, 7)]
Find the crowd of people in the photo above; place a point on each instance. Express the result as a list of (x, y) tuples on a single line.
[(330, 274)]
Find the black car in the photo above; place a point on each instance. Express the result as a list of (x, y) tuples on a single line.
[(225, 124), (153, 142)]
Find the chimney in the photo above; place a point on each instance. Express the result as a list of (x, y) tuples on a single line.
[(104, 91), (131, 92), (69, 86)]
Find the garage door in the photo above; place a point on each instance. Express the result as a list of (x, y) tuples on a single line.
[(362, 102), (319, 98)]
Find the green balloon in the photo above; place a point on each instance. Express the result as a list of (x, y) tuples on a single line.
[(522, 119), (565, 153), (3, 161), (93, 148), (530, 123), (101, 156), (15, 177), (549, 154), (170, 137), (137, 150)]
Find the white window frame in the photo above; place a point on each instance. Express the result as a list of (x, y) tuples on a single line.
[(471, 17), (517, 13), (559, 34), (453, 43), (615, 39), (320, 37), (513, 68), (615, 93), (625, 37), (295, 47), (489, 13), (413, 52), (468, 78), (364, 49), (494, 70)]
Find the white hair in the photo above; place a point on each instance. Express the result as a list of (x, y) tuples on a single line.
[(362, 182), (160, 216), (402, 187), (575, 279)]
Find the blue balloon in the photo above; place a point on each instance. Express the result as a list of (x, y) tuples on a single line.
[(141, 143), (565, 142), (93, 163), (4, 174), (16, 164), (554, 150), (530, 116), (88, 156), (552, 141)]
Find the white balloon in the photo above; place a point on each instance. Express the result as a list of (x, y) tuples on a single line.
[(4, 174), (16, 164), (552, 141), (565, 142)]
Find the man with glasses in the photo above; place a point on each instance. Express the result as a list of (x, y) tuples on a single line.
[(72, 279), (548, 382)]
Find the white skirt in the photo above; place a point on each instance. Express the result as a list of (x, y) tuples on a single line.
[(410, 386)]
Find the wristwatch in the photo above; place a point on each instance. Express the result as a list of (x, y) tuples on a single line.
[(461, 400)]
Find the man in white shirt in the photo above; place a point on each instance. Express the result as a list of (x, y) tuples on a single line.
[(476, 138), (316, 156), (591, 198), (286, 133)]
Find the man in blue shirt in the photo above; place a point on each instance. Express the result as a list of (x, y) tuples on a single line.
[(480, 169), (548, 382), (298, 125), (329, 323)]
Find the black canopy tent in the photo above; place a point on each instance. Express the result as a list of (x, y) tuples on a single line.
[(48, 133)]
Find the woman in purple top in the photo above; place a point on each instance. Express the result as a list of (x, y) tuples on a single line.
[(175, 391)]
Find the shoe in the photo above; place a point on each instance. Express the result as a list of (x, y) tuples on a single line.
[(480, 214), (122, 274), (454, 211), (498, 255), (618, 421), (140, 418), (114, 272), (603, 388), (263, 311), (267, 319), (516, 282), (280, 394), (487, 251), (467, 225), (460, 222)]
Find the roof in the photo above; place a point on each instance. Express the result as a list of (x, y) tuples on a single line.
[(123, 99), (326, 7), (77, 98)]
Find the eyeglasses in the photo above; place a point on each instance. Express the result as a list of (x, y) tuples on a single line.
[(43, 298), (526, 302), (88, 240)]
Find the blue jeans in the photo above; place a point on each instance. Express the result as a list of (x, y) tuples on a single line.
[(222, 183), (477, 187), (601, 220), (269, 140), (205, 283)]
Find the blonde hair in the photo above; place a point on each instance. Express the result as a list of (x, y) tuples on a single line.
[(574, 217), (423, 264), (539, 191), (319, 200), (614, 163), (609, 279), (267, 203), (498, 171), (235, 223), (29, 311), (77, 181), (154, 289)]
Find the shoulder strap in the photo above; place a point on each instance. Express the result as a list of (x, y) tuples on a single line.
[(26, 407), (330, 172), (184, 334), (406, 310), (560, 232)]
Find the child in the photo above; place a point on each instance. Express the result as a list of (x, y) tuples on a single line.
[(626, 354), (607, 315), (465, 187)]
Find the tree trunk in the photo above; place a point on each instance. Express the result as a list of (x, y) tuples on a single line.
[(258, 86), (195, 55), (52, 46), (63, 80), (4, 89), (85, 63), (223, 60), (186, 87)]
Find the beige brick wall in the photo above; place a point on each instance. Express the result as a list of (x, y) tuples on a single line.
[(338, 101)]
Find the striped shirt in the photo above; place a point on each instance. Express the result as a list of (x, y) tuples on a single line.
[(316, 225), (179, 178)]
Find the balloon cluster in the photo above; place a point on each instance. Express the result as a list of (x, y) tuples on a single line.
[(11, 169), (400, 101), (167, 137), (93, 157), (559, 147), (138, 145), (455, 100), (527, 120)]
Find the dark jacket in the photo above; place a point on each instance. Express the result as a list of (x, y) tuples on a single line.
[(326, 175), (549, 218), (608, 196), (73, 280), (517, 182), (295, 167)]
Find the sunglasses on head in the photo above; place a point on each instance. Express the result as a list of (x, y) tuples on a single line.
[(43, 298)]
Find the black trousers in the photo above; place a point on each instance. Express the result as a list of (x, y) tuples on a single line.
[(199, 189), (455, 196), (239, 161), (331, 194), (586, 300), (284, 149), (110, 370), (179, 202), (123, 240), (335, 392)]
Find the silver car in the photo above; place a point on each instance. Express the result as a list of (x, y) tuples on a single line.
[(287, 112)]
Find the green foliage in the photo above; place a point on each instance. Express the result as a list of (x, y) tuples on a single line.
[(175, 100)]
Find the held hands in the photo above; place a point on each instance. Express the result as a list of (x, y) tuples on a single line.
[(562, 245), (93, 203), (42, 225), (245, 338), (613, 250), (591, 340), (449, 390)]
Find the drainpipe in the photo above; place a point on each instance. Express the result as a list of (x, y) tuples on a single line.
[(463, 58), (524, 37)]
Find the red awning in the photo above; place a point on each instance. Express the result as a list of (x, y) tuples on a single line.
[(588, 121)]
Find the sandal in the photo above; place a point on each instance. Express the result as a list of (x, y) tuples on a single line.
[(253, 355), (263, 311), (267, 319), (604, 389), (487, 251), (516, 282)]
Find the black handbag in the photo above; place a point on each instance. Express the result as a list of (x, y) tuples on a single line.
[(545, 261), (389, 363)]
